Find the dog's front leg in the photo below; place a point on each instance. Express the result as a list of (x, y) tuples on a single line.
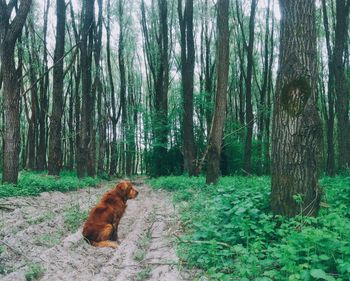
[(114, 236)]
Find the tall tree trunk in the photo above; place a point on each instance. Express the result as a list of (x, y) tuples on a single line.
[(215, 141), (114, 118), (187, 75), (87, 106), (248, 97), (263, 94), (330, 166), (9, 33), (122, 71), (55, 150), (341, 84), (43, 100), (157, 54), (32, 116), (98, 89), (297, 129)]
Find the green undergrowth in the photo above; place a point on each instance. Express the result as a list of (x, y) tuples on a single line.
[(33, 183), (231, 234)]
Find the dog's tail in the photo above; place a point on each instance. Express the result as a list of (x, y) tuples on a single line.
[(106, 243)]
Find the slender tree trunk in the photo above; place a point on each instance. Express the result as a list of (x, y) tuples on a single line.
[(32, 115), (248, 85), (267, 114), (215, 141), (341, 83), (114, 118), (122, 71), (43, 100), (297, 129), (98, 89), (263, 95), (330, 166), (187, 75), (84, 162), (55, 150)]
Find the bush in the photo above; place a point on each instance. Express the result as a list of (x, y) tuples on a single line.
[(230, 233), (33, 183)]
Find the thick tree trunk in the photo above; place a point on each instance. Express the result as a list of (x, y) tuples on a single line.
[(9, 33), (161, 94), (297, 129), (55, 150), (215, 141), (11, 96)]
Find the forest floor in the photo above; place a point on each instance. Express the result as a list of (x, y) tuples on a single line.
[(40, 238)]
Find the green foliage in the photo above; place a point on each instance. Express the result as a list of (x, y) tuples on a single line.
[(34, 272), (50, 239), (74, 217), (231, 234), (144, 274), (33, 183), (2, 267)]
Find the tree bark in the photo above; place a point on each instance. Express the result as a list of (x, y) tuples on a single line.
[(122, 72), (114, 118), (341, 83), (330, 165), (55, 150), (248, 96), (297, 129), (9, 33), (87, 106), (214, 152), (187, 75)]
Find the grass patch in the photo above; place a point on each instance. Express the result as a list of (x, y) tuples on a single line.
[(33, 183), (74, 217), (144, 274), (34, 272), (50, 239), (46, 216), (231, 234)]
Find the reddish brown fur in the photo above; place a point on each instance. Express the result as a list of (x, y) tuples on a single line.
[(101, 227)]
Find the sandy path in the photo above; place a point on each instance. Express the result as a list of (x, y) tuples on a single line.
[(34, 231)]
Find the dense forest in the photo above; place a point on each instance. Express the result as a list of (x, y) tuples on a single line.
[(186, 92), (170, 88), (116, 87)]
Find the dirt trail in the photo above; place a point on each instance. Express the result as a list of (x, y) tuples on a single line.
[(34, 231)]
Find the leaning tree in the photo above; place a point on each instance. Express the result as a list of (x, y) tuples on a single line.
[(297, 130)]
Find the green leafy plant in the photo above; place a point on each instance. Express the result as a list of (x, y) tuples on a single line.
[(33, 183), (74, 217), (34, 272), (231, 234)]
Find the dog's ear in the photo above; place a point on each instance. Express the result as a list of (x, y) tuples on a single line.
[(123, 185), (122, 189)]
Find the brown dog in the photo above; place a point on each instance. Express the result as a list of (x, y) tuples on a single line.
[(101, 227)]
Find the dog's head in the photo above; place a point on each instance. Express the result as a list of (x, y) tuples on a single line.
[(127, 189)]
